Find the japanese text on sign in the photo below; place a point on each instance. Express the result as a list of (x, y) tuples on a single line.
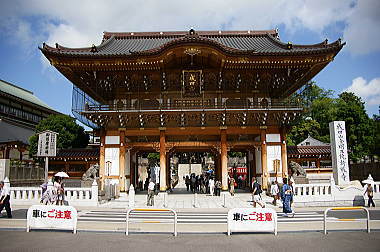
[(52, 217), (252, 220), (47, 141), (339, 152)]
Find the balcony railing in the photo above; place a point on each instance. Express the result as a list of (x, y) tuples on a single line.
[(191, 106)]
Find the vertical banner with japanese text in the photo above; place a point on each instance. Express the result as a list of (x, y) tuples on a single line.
[(339, 152), (47, 144), (252, 220), (52, 217)]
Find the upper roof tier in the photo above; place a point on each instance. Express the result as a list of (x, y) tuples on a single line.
[(23, 95), (265, 42)]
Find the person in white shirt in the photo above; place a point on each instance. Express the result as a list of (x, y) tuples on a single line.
[(275, 192), (211, 184), (4, 199), (151, 187)]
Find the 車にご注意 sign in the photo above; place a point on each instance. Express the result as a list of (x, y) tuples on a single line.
[(252, 220), (52, 217)]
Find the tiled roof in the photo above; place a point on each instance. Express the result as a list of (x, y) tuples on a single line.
[(312, 142), (20, 93), (80, 153), (237, 42), (308, 150)]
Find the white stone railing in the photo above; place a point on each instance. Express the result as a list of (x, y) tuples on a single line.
[(376, 187), (330, 194), (75, 196), (312, 189)]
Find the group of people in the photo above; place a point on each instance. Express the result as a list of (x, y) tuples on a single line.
[(205, 184), (284, 192), (53, 195)]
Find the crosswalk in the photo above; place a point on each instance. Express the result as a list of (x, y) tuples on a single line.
[(185, 217)]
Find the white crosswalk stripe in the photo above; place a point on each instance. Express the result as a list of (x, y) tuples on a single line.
[(186, 217)]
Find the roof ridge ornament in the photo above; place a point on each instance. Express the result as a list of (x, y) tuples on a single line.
[(289, 45), (192, 32), (94, 49)]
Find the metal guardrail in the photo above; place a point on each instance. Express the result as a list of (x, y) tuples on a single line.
[(344, 209), (155, 221)]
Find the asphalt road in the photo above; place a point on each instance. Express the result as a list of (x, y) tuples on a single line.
[(90, 241)]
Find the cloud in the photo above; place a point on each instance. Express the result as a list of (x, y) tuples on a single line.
[(368, 91), (80, 23), (362, 31)]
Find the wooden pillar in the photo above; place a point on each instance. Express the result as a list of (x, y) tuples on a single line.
[(163, 186), (284, 156), (122, 161), (133, 162), (224, 159), (168, 171), (264, 167), (7, 149), (102, 160)]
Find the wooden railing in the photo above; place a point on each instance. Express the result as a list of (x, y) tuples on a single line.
[(187, 105)]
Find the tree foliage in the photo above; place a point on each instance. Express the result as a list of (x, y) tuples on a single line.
[(303, 130), (70, 134), (359, 127), (321, 108)]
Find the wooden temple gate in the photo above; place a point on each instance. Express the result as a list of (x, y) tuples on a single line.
[(217, 91)]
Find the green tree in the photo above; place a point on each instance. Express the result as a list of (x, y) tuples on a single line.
[(323, 110), (376, 135), (301, 131), (319, 109), (153, 158), (359, 127), (70, 134)]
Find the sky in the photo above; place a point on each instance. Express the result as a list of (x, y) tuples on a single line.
[(26, 24)]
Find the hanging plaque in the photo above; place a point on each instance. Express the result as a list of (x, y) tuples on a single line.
[(192, 81)]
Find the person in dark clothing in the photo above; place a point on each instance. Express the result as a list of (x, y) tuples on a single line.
[(187, 182)]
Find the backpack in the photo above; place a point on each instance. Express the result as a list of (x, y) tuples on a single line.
[(258, 190)]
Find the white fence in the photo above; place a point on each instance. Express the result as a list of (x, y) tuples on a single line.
[(75, 196), (329, 194)]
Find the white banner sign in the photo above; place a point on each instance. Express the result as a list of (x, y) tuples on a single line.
[(52, 217), (339, 155), (47, 144), (252, 220)]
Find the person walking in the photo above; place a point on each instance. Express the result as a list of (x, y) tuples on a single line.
[(187, 182), (274, 191), (256, 193), (369, 192), (287, 193), (211, 184), (4, 199), (232, 186), (218, 187), (58, 184), (151, 187)]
